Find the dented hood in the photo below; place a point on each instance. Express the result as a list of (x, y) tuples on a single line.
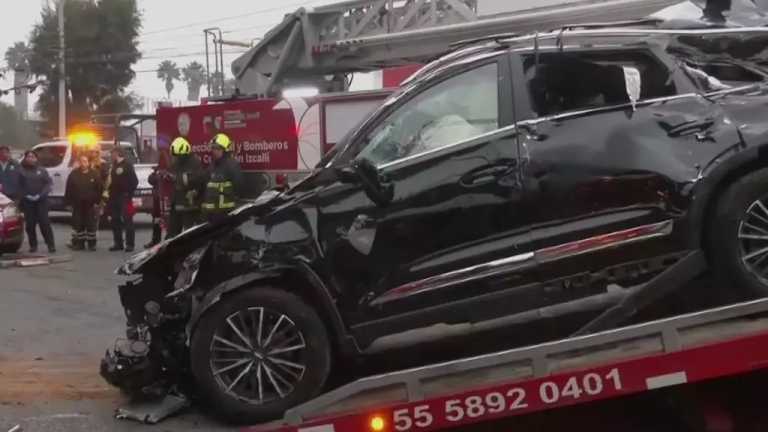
[(180, 246)]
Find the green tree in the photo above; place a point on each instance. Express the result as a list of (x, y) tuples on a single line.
[(17, 57), (194, 75), (102, 47), (168, 72), (14, 132)]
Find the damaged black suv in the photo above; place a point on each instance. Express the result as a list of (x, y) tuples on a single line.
[(508, 178)]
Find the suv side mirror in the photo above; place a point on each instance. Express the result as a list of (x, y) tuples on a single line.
[(365, 173), (378, 189), (347, 174)]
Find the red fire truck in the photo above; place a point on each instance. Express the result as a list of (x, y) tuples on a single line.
[(275, 140)]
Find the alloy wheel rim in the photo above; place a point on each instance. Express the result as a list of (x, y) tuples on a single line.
[(753, 240), (258, 355)]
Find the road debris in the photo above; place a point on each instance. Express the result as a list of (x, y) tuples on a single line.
[(23, 260), (153, 412)]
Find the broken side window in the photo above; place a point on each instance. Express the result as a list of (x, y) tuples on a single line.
[(562, 82), (714, 76)]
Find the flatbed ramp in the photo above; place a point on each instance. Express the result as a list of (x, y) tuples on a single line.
[(690, 348)]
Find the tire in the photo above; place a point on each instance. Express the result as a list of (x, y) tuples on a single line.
[(298, 325), (10, 249), (738, 213)]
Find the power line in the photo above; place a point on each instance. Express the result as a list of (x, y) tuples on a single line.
[(228, 18)]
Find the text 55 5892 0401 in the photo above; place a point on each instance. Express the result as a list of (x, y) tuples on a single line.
[(488, 405)]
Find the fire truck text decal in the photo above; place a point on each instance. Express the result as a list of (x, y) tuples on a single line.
[(265, 139)]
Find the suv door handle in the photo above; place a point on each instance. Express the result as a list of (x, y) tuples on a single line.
[(488, 174)]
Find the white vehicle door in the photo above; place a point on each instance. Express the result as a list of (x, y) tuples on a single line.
[(55, 158)]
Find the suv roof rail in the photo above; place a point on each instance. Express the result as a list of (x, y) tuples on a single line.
[(494, 37), (608, 24)]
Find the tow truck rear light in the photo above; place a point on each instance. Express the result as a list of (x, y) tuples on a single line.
[(378, 424)]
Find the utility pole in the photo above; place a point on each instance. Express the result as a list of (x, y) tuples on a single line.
[(63, 74)]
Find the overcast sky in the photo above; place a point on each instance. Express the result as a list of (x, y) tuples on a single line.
[(241, 20)]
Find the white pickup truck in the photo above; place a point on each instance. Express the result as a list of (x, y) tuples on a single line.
[(58, 157)]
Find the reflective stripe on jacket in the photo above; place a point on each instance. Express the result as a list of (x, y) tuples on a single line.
[(223, 189)]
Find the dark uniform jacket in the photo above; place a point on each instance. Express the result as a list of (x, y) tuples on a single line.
[(122, 180), (9, 179), (34, 181), (189, 183), (84, 187), (225, 186)]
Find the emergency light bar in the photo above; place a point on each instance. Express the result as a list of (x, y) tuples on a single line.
[(86, 139)]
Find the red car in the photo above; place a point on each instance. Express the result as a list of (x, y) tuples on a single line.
[(11, 226)]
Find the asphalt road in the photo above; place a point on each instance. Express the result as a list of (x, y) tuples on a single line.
[(55, 323)]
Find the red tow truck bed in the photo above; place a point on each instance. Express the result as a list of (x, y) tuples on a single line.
[(692, 348)]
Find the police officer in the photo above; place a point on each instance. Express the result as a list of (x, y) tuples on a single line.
[(122, 184), (83, 193), (9, 174), (34, 187), (189, 182), (225, 183)]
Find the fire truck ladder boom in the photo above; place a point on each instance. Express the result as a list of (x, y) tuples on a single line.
[(313, 44), (642, 347)]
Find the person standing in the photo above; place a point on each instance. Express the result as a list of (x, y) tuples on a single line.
[(160, 202), (189, 178), (122, 184), (83, 193), (225, 183), (9, 174), (34, 187)]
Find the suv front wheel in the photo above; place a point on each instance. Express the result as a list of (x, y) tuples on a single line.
[(258, 353), (738, 235)]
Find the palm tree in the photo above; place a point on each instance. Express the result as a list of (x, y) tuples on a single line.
[(194, 75), (168, 72)]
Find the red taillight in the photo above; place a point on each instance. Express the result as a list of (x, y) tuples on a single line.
[(281, 180)]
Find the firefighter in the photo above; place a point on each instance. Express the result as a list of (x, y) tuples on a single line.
[(34, 186), (189, 181), (156, 180), (122, 183), (83, 193), (225, 181)]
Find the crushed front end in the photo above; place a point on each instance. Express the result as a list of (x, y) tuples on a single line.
[(153, 357)]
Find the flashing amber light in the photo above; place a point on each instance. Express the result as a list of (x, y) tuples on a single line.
[(84, 139), (378, 424)]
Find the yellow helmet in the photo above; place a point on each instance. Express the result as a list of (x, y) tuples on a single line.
[(223, 141), (180, 146)]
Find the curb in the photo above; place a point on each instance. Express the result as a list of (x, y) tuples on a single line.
[(12, 261)]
